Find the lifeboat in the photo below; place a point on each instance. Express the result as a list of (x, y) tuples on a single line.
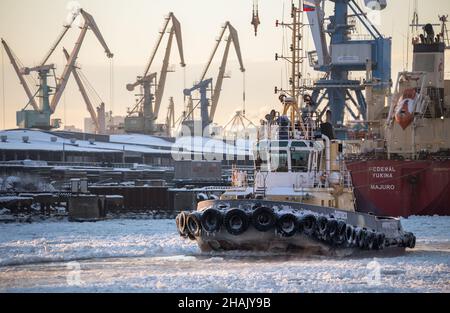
[(404, 114)]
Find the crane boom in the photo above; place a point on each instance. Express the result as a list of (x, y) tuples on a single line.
[(176, 27), (163, 76), (89, 23), (93, 26), (58, 39), (232, 38), (24, 84), (84, 94), (219, 82)]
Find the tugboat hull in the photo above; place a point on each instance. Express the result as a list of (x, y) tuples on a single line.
[(281, 226)]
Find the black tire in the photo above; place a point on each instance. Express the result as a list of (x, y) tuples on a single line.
[(182, 229), (193, 224), (287, 225), (322, 223), (360, 238), (236, 221), (177, 222), (263, 219), (309, 223), (332, 225), (411, 243), (349, 235), (339, 235), (211, 220), (369, 241), (379, 241)]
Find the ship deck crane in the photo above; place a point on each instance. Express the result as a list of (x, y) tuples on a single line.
[(203, 85), (146, 112), (39, 117)]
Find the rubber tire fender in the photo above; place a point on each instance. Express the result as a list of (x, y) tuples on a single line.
[(322, 224), (361, 235), (263, 219), (411, 242), (211, 220), (309, 223), (182, 225), (380, 241), (350, 235), (293, 227), (339, 235), (369, 241), (332, 228), (193, 224), (236, 215)]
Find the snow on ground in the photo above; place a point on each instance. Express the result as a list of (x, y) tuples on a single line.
[(148, 256)]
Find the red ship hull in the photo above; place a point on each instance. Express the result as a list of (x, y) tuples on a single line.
[(401, 188)]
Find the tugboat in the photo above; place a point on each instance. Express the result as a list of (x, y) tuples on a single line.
[(302, 199)]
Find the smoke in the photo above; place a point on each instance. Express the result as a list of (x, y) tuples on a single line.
[(73, 15), (374, 12), (24, 183)]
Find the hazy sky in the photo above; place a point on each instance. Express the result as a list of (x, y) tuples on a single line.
[(131, 27)]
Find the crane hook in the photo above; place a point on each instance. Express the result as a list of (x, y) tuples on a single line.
[(255, 18)]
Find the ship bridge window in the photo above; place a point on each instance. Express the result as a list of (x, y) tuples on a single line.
[(299, 161), (279, 160), (298, 144), (261, 161)]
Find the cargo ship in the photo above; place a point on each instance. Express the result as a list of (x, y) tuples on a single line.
[(403, 167), (395, 132)]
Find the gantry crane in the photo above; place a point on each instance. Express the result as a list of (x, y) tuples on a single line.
[(39, 117), (141, 118), (98, 114), (207, 116)]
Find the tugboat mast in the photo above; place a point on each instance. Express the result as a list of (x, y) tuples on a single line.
[(291, 97)]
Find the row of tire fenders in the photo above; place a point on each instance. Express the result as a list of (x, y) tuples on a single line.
[(329, 230)]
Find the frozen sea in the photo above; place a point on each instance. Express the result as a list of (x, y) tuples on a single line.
[(139, 255)]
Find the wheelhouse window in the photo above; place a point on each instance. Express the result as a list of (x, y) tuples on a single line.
[(299, 161), (279, 161)]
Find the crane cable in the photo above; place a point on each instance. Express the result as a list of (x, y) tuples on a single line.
[(91, 90), (3, 89), (243, 92), (111, 85)]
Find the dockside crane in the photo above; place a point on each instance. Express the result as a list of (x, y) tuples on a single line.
[(205, 85), (98, 114), (39, 117), (170, 118), (141, 118)]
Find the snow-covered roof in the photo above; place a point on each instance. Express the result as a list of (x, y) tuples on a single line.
[(38, 140), (42, 141)]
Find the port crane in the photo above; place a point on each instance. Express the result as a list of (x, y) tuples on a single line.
[(98, 114), (170, 118), (39, 117), (141, 118), (205, 85), (338, 53)]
